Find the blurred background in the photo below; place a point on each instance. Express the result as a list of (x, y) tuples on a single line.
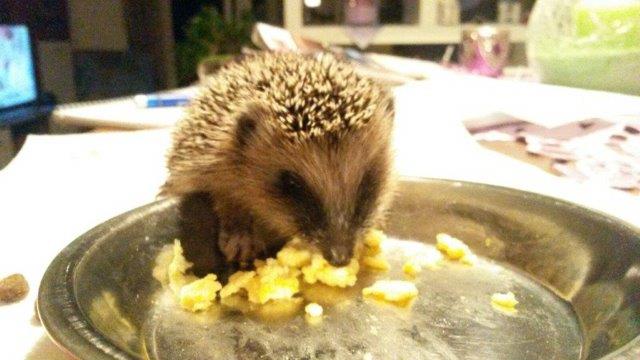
[(58, 52), (93, 49)]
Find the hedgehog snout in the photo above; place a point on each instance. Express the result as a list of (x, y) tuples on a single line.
[(337, 247), (339, 255)]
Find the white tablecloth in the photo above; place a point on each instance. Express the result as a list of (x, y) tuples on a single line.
[(60, 186)]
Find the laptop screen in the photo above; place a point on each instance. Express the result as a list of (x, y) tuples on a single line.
[(17, 76)]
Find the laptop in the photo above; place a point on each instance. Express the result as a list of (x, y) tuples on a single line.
[(20, 97)]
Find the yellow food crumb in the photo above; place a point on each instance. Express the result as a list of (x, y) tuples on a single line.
[(292, 257), (506, 300), (450, 246), (278, 309), (455, 249), (273, 281), (321, 270), (272, 310), (178, 268), (412, 267), (237, 282), (374, 239), (260, 292), (372, 256), (377, 262), (395, 291), (199, 294), (258, 263), (367, 251), (193, 294), (327, 295), (313, 310)]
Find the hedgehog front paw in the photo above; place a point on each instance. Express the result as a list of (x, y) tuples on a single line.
[(240, 247)]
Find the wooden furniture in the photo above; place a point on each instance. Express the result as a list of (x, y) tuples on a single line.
[(425, 30)]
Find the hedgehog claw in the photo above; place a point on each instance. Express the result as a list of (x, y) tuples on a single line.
[(239, 247)]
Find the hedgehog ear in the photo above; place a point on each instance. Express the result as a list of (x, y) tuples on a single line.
[(247, 122)]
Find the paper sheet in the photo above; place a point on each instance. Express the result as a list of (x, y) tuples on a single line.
[(57, 188), (469, 96)]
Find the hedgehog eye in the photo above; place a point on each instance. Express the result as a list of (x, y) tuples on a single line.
[(291, 185), (308, 209)]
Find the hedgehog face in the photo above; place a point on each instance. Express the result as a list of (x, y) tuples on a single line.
[(328, 188)]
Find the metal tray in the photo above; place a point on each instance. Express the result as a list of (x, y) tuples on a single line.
[(576, 273)]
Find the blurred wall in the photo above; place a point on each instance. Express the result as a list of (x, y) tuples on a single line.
[(55, 61), (150, 29), (97, 25)]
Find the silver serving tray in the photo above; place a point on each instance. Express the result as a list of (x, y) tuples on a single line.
[(575, 271)]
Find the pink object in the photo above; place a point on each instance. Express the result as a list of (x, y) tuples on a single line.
[(361, 20), (361, 12), (485, 50)]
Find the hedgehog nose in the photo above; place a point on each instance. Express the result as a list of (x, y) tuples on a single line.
[(340, 255)]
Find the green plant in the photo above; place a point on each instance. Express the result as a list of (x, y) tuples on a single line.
[(208, 33)]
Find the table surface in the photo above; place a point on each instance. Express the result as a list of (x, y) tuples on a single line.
[(85, 175), (510, 148)]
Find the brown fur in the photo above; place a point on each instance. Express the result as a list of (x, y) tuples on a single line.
[(282, 112)]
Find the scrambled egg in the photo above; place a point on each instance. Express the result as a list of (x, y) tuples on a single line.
[(237, 282), (377, 262), (394, 291), (320, 270), (372, 253), (274, 287), (506, 300), (278, 309), (193, 294), (279, 278), (455, 249), (374, 239), (412, 267), (200, 294), (272, 281), (327, 295), (294, 255), (177, 273)]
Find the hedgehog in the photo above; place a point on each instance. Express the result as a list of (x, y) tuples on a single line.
[(287, 145)]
